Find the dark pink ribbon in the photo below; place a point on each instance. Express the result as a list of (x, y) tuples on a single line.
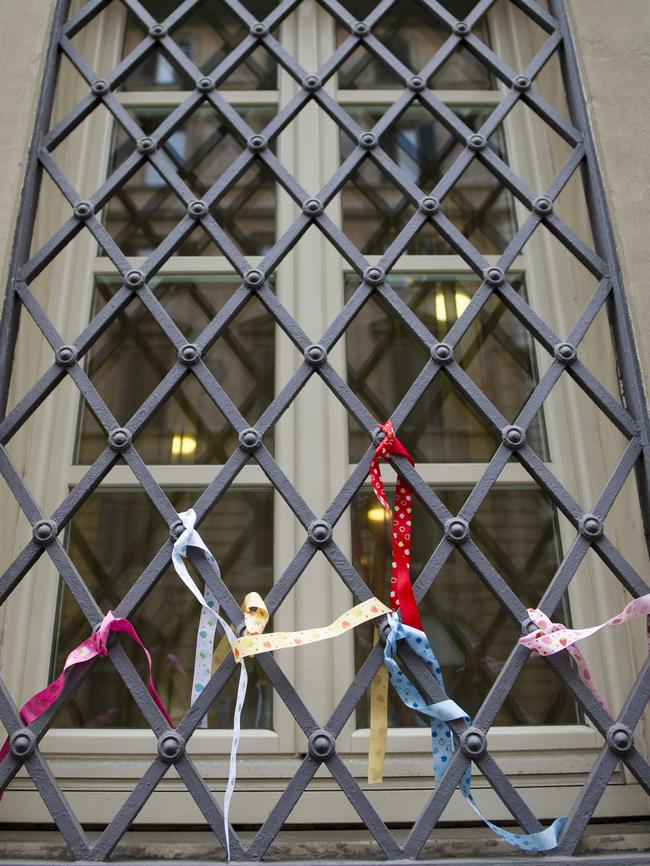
[(95, 645)]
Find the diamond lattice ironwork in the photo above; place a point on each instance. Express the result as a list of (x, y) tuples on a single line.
[(256, 148)]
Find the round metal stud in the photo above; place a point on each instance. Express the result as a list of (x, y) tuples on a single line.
[(429, 204), (146, 144), (441, 353), (315, 354), (367, 140), (312, 82), (22, 743), (321, 745), (65, 355), (254, 278), (543, 205), (189, 354), (456, 529), (258, 29), (119, 439), (205, 84), (240, 631), (590, 526), (256, 143), (620, 738), (82, 210), (44, 531), (565, 352), (513, 436), (197, 209), (476, 141), (494, 276), (374, 276), (176, 530), (521, 82), (170, 746), (462, 28), (250, 439), (134, 279), (378, 436), (99, 86), (157, 31), (473, 742), (319, 532), (313, 207), (360, 28), (416, 82)]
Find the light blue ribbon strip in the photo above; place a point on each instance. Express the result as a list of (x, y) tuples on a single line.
[(210, 613), (440, 714)]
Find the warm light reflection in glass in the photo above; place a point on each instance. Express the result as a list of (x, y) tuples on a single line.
[(441, 307), (376, 514), (462, 303), (183, 445)]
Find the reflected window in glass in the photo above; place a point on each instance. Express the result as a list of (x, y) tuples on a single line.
[(134, 355), (384, 358), (375, 210), (145, 209)]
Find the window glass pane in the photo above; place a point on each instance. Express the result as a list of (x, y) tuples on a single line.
[(145, 209), (413, 34), (134, 355), (206, 35), (112, 539), (470, 633), (375, 210), (383, 360)]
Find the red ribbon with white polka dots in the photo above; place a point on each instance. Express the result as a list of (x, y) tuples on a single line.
[(401, 591)]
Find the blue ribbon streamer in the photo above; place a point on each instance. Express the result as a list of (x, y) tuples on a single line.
[(440, 714)]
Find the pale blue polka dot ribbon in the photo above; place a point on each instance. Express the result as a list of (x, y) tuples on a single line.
[(205, 642), (441, 714)]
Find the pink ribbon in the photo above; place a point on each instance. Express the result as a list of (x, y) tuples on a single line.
[(553, 637), (95, 645)]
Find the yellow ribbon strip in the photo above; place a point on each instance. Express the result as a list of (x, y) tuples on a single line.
[(378, 725), (254, 644)]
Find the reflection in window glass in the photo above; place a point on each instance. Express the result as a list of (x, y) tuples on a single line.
[(112, 539), (134, 355), (384, 358), (469, 631), (145, 209), (207, 35), (413, 34), (375, 210)]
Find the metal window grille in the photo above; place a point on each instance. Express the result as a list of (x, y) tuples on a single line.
[(631, 420)]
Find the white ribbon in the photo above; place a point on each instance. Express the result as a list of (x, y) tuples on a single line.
[(210, 614)]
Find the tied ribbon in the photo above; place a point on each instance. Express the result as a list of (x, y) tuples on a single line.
[(210, 606), (553, 637), (401, 591), (254, 642), (95, 645), (440, 714), (252, 645)]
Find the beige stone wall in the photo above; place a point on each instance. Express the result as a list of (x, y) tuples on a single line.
[(613, 42), (23, 41)]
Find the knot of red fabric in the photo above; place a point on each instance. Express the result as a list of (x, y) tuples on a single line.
[(401, 591)]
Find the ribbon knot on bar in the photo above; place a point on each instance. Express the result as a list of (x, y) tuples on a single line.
[(553, 637)]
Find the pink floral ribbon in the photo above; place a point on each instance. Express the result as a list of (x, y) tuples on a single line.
[(553, 637), (95, 645)]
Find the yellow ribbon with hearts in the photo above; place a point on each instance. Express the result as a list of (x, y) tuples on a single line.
[(252, 644)]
